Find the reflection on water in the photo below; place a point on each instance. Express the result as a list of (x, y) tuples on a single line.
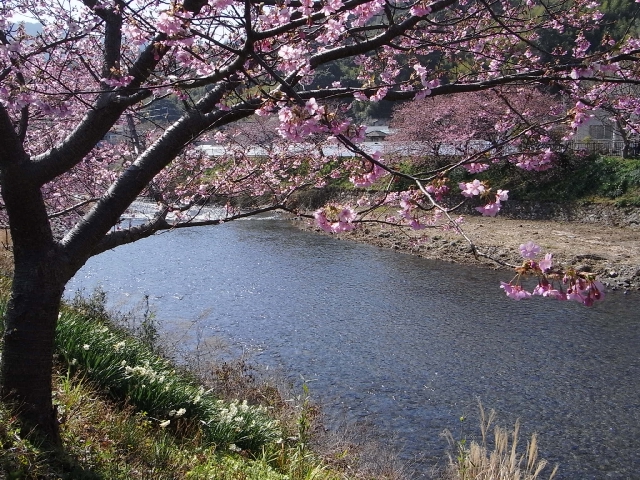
[(405, 343)]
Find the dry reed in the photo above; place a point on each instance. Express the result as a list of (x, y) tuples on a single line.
[(498, 459)]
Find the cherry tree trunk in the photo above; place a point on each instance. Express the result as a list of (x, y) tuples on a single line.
[(27, 357), (32, 311)]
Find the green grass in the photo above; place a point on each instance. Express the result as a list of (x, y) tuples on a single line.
[(127, 369), (105, 440)]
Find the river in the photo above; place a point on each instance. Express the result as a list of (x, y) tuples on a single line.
[(405, 344)]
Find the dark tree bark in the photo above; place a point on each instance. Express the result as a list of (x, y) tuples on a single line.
[(30, 324), (32, 311)]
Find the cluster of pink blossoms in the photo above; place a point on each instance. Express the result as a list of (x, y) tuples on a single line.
[(580, 115), (172, 24), (569, 285), (438, 188), (536, 163), (334, 218), (408, 205), (478, 188), (475, 167), (371, 176), (297, 123)]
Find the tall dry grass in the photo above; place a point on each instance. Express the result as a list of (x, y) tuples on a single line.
[(496, 457)]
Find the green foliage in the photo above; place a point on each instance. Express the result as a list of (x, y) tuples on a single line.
[(365, 112), (103, 441), (18, 456), (620, 19), (592, 178), (234, 468), (343, 70)]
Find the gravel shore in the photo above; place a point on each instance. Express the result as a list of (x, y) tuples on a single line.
[(610, 251)]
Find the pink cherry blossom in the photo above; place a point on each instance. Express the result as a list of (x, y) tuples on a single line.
[(420, 10), (439, 189), (475, 167), (470, 189), (529, 250), (515, 292), (369, 178), (170, 24), (221, 4), (335, 218), (585, 291), (347, 215), (490, 209), (416, 225), (546, 290), (502, 195), (379, 95), (331, 6), (547, 263), (311, 106)]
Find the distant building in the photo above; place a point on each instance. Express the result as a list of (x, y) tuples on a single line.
[(377, 133), (597, 129), (601, 134)]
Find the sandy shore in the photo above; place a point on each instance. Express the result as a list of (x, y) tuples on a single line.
[(611, 252)]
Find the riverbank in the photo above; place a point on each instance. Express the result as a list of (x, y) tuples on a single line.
[(608, 248), (127, 409)]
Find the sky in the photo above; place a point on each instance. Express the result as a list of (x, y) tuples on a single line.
[(18, 17)]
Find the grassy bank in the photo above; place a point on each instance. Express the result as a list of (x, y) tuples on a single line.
[(593, 178), (574, 178)]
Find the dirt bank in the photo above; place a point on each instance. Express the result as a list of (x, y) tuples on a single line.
[(612, 252)]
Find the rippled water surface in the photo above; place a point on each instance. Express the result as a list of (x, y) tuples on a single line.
[(405, 343)]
